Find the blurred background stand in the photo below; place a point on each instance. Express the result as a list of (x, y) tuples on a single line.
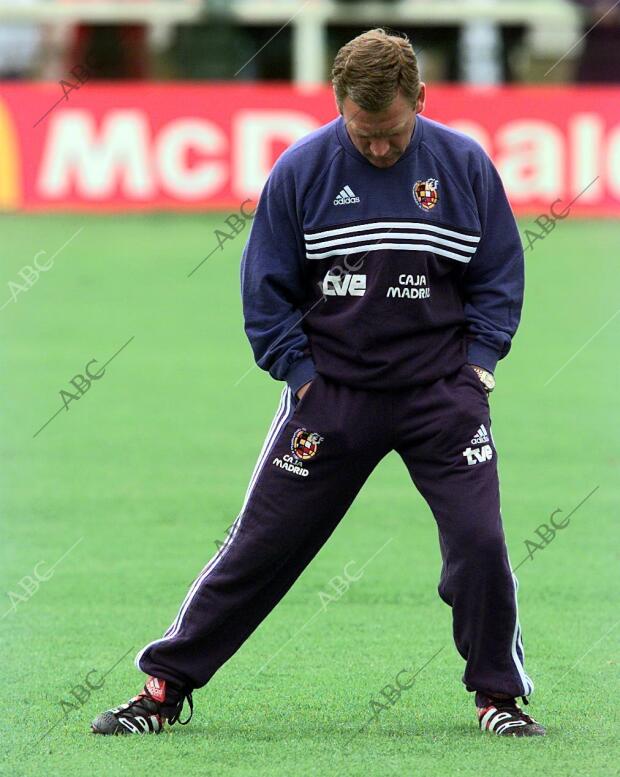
[(483, 42), (123, 37), (600, 59), (20, 42), (458, 39)]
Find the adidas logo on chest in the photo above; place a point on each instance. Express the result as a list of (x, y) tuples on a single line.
[(346, 196)]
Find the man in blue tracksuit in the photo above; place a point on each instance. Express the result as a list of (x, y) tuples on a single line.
[(382, 281)]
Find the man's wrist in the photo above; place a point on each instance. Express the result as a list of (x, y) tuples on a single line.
[(300, 373), (486, 378), (302, 389), (482, 355)]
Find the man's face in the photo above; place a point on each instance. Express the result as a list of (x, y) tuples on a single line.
[(382, 137)]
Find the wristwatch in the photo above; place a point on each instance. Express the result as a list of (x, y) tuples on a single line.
[(486, 377)]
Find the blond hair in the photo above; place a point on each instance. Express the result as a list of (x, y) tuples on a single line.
[(372, 68)]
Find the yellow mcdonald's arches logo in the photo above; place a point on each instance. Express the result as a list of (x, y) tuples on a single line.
[(10, 178)]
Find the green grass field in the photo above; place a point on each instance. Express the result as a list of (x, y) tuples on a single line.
[(136, 481)]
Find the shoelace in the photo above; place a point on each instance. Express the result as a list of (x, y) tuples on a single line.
[(176, 715), (138, 702), (510, 705)]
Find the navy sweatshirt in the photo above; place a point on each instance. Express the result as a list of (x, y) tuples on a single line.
[(381, 278)]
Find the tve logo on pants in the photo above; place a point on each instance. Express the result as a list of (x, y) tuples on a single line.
[(477, 455)]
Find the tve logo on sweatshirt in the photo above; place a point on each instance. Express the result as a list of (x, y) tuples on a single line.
[(341, 285)]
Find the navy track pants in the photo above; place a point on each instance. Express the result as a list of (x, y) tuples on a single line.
[(318, 454)]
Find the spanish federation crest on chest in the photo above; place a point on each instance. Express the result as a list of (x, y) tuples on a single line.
[(426, 193)]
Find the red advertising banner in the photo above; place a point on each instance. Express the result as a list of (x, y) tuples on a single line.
[(188, 146)]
